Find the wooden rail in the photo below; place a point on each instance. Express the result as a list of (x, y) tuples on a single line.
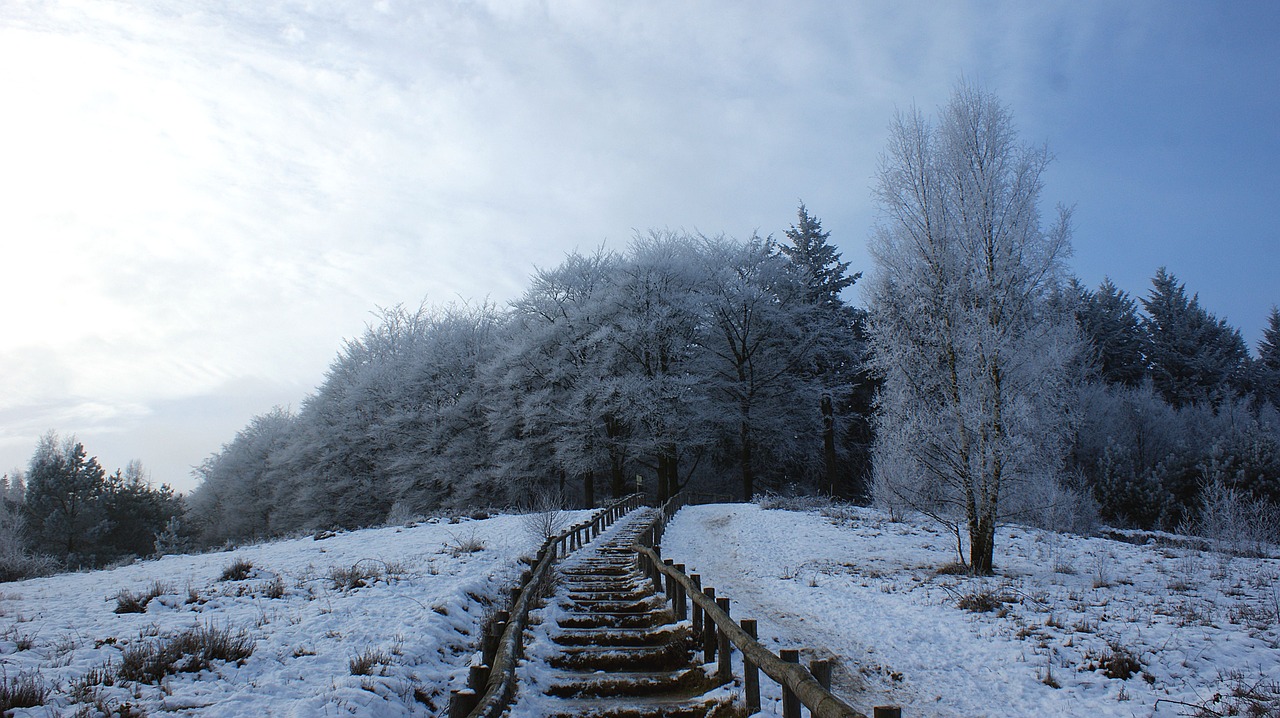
[(492, 685), (710, 617)]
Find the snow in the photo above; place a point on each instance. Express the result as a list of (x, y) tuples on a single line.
[(418, 616), (868, 590)]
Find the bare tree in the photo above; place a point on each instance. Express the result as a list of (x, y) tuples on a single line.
[(972, 348)]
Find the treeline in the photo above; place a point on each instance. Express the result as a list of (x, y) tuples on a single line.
[(724, 366), (708, 363), (1174, 403), (66, 511)]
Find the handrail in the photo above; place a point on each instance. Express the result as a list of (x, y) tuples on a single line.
[(500, 686), (792, 676)]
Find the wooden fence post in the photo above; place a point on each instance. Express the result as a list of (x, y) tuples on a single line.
[(886, 712), (708, 630), (670, 581), (790, 703), (750, 673), (477, 676), (724, 671), (682, 603), (821, 670), (462, 702), (697, 610)]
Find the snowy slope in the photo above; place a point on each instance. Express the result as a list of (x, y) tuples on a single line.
[(415, 619), (870, 591)]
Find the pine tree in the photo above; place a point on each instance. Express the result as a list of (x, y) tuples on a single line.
[(1267, 376), (1193, 356), (1109, 320), (64, 497), (819, 263)]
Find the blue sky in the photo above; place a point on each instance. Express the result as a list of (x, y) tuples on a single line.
[(200, 202)]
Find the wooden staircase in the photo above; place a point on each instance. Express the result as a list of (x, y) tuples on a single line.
[(606, 645)]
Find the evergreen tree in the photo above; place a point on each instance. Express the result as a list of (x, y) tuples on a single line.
[(818, 262), (64, 498), (1193, 356), (1267, 376), (837, 357), (1109, 321)]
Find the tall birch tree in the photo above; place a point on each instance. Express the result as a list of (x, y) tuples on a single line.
[(970, 419)]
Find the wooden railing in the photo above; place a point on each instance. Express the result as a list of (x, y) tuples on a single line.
[(491, 686), (718, 631)]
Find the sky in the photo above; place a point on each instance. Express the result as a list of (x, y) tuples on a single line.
[(199, 202)]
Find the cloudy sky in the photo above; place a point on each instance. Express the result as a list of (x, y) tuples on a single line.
[(199, 201)]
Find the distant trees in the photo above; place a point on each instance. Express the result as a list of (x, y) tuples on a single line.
[(74, 512), (972, 350)]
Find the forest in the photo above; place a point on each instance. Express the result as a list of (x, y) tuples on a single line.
[(981, 383)]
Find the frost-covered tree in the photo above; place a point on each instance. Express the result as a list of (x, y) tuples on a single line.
[(1268, 364), (1110, 323), (240, 493), (64, 511), (839, 351), (759, 339), (972, 351), (1194, 357)]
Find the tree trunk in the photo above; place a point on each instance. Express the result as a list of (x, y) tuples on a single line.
[(748, 475), (982, 544), (617, 467), (589, 489), (829, 444)]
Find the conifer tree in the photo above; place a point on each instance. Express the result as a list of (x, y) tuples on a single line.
[(1109, 320), (1193, 356)]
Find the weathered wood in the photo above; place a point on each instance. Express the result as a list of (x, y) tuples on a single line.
[(709, 630), (681, 601), (886, 712), (750, 673), (817, 699), (462, 702), (790, 702), (724, 668), (697, 610), (821, 670), (477, 676)]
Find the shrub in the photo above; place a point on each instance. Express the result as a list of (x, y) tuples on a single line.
[(24, 690), (470, 544), (130, 602), (191, 651), (544, 516), (239, 570), (1116, 662), (363, 664)]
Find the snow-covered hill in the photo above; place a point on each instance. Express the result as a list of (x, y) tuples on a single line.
[(377, 622), (398, 605), (1062, 612)]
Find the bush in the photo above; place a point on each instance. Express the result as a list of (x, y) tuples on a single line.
[(363, 664), (130, 602), (544, 516), (24, 690), (239, 570), (1238, 523), (191, 651)]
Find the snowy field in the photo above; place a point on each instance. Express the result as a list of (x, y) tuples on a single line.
[(1038, 639), (366, 623)]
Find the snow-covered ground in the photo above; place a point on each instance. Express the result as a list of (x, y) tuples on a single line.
[(1063, 609), (412, 616)]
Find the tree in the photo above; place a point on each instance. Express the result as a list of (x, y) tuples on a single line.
[(972, 350), (1109, 321), (1268, 364), (135, 511), (840, 345), (1194, 357), (64, 498)]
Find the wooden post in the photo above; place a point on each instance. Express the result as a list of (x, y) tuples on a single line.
[(462, 702), (821, 670), (886, 712), (697, 610), (724, 671), (750, 673), (671, 582), (477, 676), (708, 631), (682, 601), (790, 703)]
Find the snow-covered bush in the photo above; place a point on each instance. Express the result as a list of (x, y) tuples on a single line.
[(1235, 521)]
